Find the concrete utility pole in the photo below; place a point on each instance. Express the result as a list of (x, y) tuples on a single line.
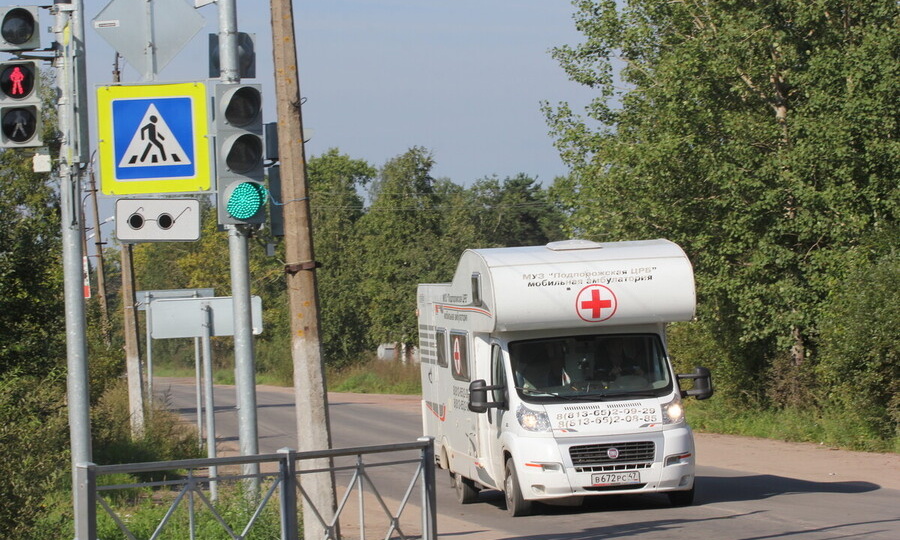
[(313, 429), (101, 269), (133, 370)]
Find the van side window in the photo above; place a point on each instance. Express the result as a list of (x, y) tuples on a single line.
[(476, 289), (498, 374), (459, 352), (440, 338)]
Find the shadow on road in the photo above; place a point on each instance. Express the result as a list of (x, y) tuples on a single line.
[(713, 489)]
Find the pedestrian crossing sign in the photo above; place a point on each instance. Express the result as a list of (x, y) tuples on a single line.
[(153, 139)]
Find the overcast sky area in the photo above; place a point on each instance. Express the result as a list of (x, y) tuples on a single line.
[(462, 78)]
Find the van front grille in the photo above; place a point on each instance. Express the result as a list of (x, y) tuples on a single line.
[(594, 455)]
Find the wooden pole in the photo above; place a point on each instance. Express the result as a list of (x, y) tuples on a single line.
[(313, 429)]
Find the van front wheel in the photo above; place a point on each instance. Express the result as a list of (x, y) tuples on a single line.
[(516, 505)]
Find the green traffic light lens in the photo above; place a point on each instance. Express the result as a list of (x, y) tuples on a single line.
[(246, 200), (18, 26)]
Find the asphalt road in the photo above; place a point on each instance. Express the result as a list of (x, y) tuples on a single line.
[(737, 502)]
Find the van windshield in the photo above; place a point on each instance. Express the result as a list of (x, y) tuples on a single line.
[(590, 367)]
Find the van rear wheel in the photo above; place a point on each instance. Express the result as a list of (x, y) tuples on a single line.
[(516, 505), (466, 492)]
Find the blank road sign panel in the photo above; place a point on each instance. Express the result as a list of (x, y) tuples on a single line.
[(157, 220), (184, 317)]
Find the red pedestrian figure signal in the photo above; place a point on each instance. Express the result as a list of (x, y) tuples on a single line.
[(17, 80), (16, 77), (20, 104)]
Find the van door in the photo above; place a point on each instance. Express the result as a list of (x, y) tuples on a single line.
[(496, 416)]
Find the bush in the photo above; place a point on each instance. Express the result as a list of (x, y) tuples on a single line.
[(859, 361), (34, 442), (165, 438)]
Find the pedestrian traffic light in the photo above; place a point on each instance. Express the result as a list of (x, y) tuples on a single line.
[(241, 192), (20, 104), (19, 29)]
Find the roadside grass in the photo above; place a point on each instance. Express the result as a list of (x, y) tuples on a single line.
[(373, 377), (377, 377), (142, 510), (833, 428)]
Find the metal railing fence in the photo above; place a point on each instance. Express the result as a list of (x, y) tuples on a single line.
[(197, 486)]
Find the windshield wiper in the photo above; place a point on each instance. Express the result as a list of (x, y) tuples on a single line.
[(536, 392), (630, 394)]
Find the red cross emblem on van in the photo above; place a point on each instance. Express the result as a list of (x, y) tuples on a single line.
[(596, 303)]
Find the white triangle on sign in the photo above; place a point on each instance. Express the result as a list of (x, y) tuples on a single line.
[(153, 144)]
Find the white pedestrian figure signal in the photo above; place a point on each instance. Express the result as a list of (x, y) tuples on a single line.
[(153, 144)]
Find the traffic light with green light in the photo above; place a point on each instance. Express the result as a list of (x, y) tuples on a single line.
[(20, 104), (240, 172)]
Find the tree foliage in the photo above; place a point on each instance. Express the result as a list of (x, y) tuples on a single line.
[(761, 136), (398, 244), (335, 184), (31, 294)]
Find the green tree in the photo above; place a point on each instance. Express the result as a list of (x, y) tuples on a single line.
[(32, 324), (761, 136), (335, 181), (399, 241), (514, 212)]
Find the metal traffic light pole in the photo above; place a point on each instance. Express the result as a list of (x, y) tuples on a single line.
[(73, 120), (238, 235)]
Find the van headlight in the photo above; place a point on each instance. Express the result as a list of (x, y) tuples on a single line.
[(673, 412), (532, 420)]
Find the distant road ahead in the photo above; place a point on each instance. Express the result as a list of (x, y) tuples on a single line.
[(766, 490)]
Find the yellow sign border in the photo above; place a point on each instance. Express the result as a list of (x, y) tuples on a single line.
[(109, 183)]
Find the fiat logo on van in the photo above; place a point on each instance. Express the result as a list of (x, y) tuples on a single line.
[(613, 453)]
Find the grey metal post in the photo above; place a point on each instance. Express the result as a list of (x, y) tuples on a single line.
[(149, 326), (150, 51), (429, 492), (288, 470), (70, 38), (244, 362), (229, 63), (198, 365), (86, 490), (210, 401)]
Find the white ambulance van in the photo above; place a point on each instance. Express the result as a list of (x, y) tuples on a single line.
[(545, 373)]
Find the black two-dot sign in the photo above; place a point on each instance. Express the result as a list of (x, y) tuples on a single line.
[(157, 220)]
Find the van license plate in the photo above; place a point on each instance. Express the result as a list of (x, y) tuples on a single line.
[(613, 479)]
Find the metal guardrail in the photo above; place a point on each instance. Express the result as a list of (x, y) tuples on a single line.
[(198, 485)]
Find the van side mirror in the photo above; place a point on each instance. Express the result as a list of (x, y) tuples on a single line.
[(478, 396), (703, 388)]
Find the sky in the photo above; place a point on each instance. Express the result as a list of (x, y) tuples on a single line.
[(463, 78)]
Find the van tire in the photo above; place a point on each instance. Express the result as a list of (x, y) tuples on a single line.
[(466, 492), (681, 498), (516, 505)]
